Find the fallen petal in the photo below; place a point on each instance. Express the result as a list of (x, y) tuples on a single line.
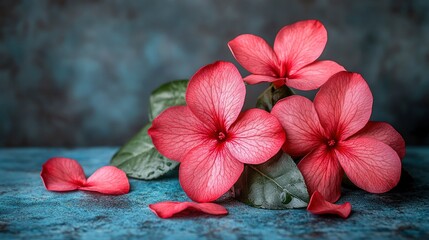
[(318, 205), (169, 209), (108, 180), (62, 174)]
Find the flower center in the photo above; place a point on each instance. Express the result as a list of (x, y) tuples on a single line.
[(221, 136), (331, 143)]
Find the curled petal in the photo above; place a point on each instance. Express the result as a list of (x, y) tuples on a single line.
[(385, 133), (215, 94), (344, 105), (62, 174), (300, 44), (322, 173), (208, 171), (301, 124), (318, 205), (254, 79), (370, 164), (176, 131), (108, 180), (254, 54), (256, 136), (169, 209), (314, 75)]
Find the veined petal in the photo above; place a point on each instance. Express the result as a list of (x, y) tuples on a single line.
[(169, 209), (300, 44), (108, 180), (301, 124), (370, 164), (256, 136), (344, 105), (314, 75), (209, 171), (385, 133), (62, 174), (318, 205), (322, 173), (216, 94), (176, 131), (254, 54), (254, 79)]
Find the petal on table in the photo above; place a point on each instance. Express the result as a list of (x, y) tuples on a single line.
[(108, 180), (370, 164), (62, 174), (169, 209), (216, 94), (318, 205), (256, 136), (176, 131)]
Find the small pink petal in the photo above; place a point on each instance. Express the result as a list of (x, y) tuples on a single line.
[(318, 205), (169, 209), (216, 94), (344, 105), (256, 136), (208, 171), (176, 131), (370, 164), (62, 174), (108, 180), (300, 44), (385, 133), (314, 75), (322, 173), (301, 124), (254, 79), (254, 54)]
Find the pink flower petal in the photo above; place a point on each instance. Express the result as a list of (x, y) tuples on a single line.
[(256, 136), (254, 54), (300, 44), (254, 79), (62, 174), (318, 205), (176, 131), (385, 133), (344, 105), (322, 173), (370, 164), (216, 94), (108, 180), (169, 209), (208, 171), (314, 75), (301, 124)]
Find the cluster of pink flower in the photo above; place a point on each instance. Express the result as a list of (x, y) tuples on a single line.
[(213, 139)]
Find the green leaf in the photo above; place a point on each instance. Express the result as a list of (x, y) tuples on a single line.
[(139, 158), (276, 184), (167, 95), (271, 96)]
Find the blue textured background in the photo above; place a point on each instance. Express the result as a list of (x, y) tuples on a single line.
[(78, 73)]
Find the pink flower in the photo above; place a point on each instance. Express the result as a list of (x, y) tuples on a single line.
[(63, 174), (169, 209), (293, 60), (210, 137), (335, 136), (318, 205)]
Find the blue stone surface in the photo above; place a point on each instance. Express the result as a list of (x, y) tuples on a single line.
[(29, 211)]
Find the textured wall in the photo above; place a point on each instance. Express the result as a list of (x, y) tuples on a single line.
[(76, 73)]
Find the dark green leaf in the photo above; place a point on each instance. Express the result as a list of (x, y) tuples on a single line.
[(167, 95), (139, 158), (271, 96), (276, 184)]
